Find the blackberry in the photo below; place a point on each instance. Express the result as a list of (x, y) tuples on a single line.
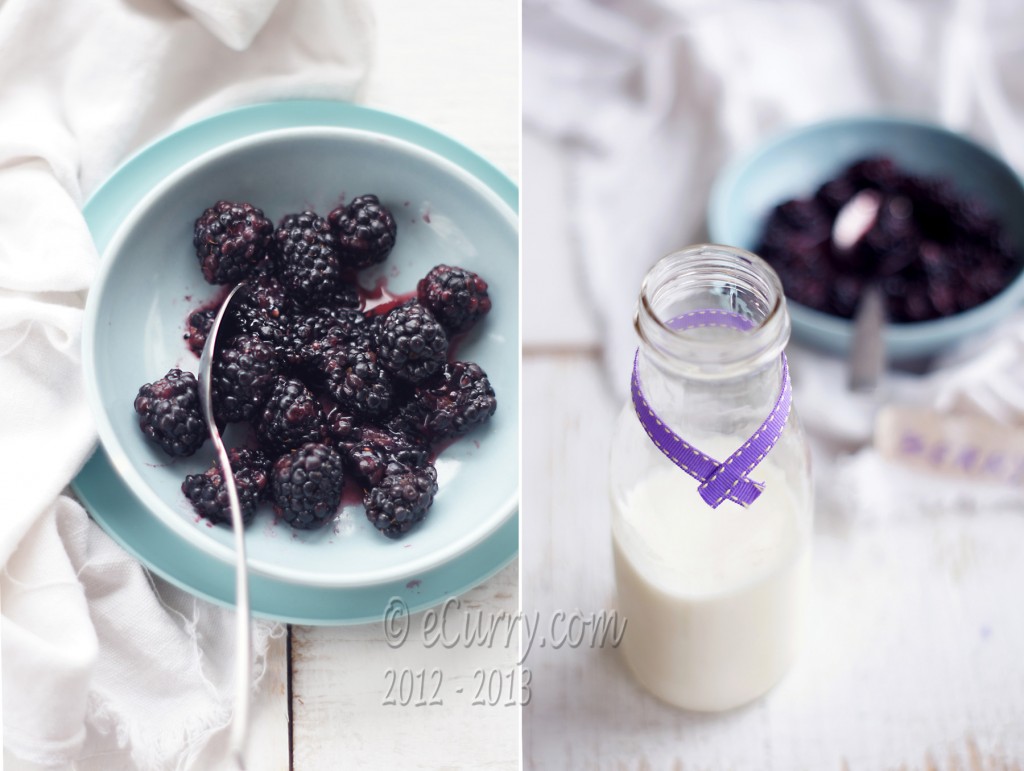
[(401, 500), (458, 400), (169, 413), (308, 262), (342, 428), (311, 336), (379, 453), (263, 310), (290, 418), (808, 216), (209, 494), (412, 345), (264, 299), (230, 239), (340, 326), (879, 173), (835, 193), (364, 231), (844, 295), (199, 324), (243, 371), (357, 382), (292, 348), (306, 485), (343, 294), (457, 297)]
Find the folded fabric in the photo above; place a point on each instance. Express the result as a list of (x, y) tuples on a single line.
[(99, 659), (235, 24), (92, 633)]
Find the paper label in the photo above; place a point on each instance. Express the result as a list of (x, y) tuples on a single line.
[(965, 446)]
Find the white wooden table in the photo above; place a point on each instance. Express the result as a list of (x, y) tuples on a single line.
[(914, 653)]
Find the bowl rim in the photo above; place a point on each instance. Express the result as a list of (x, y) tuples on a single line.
[(108, 436), (902, 340)]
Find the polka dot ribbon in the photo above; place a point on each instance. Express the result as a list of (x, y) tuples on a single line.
[(727, 480)]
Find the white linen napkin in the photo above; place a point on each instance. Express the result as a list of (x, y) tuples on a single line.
[(107, 665), (651, 97), (103, 665)]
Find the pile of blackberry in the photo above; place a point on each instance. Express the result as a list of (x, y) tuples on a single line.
[(332, 393), (933, 251)]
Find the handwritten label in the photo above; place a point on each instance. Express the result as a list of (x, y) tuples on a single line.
[(966, 446)]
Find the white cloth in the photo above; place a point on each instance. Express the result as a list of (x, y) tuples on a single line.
[(651, 97), (104, 663), (94, 661)]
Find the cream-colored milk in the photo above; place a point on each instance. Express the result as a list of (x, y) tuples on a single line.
[(713, 597)]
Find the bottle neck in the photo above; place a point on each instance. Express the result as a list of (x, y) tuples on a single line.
[(733, 406), (716, 373)]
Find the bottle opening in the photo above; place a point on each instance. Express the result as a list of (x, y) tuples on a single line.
[(712, 277)]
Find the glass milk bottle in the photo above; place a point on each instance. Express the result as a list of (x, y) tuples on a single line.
[(710, 485)]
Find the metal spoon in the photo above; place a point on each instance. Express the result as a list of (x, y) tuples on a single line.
[(867, 349), (243, 619)]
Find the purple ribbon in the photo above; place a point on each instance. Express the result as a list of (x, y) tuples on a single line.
[(727, 480)]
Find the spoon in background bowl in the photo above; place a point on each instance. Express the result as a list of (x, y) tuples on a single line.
[(867, 349), (243, 620)]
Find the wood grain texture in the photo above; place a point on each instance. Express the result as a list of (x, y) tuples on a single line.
[(340, 681), (552, 267), (454, 66), (913, 655)]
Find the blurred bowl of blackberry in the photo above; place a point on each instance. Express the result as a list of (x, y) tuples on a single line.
[(946, 246)]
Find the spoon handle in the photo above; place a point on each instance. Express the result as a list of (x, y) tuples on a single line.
[(243, 621), (867, 350)]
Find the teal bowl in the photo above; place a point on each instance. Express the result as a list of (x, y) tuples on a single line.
[(794, 164), (149, 280)]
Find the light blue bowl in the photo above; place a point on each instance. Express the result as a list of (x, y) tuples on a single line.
[(149, 280), (795, 164)]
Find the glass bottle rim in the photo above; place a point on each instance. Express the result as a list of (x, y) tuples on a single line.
[(720, 274)]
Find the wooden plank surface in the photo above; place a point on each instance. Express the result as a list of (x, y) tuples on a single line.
[(453, 65), (557, 315), (343, 679)]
